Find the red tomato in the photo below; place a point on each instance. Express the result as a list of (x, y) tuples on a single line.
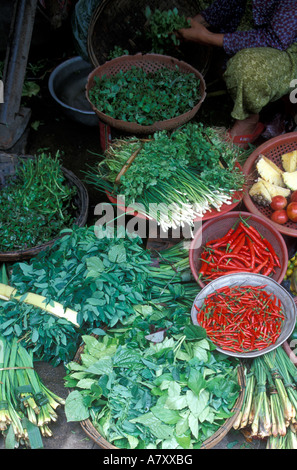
[(292, 211), (279, 217), (278, 202), (293, 197)]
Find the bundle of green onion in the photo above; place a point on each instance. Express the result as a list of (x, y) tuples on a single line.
[(27, 406), (270, 402), (173, 179)]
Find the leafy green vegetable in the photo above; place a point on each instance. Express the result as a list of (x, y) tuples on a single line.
[(175, 178), (173, 394), (36, 204), (108, 281), (144, 97), (161, 27)]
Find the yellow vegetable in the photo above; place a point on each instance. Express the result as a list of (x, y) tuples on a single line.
[(289, 161), (54, 308)]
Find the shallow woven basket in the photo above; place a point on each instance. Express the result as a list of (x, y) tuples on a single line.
[(122, 23), (212, 441), (273, 149), (8, 165), (149, 63)]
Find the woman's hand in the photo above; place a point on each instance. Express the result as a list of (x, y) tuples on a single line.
[(199, 33)]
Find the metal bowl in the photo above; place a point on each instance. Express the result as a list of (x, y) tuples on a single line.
[(272, 286), (67, 86)]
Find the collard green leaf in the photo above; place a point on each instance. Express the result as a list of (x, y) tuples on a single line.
[(117, 254), (156, 427), (197, 404), (127, 358), (196, 381), (86, 383), (165, 414), (194, 425), (184, 441), (101, 367), (75, 409)]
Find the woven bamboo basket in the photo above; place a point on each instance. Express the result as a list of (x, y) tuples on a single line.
[(8, 165), (122, 23), (212, 441), (149, 63)]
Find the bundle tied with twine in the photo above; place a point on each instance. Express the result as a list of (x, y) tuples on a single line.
[(270, 402), (27, 406)]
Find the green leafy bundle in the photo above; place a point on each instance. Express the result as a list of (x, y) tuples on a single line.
[(28, 407), (144, 97), (168, 395), (186, 173), (36, 204), (106, 280), (161, 28)]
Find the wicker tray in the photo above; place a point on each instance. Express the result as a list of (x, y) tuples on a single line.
[(272, 149), (149, 63), (119, 22), (8, 165), (212, 441)]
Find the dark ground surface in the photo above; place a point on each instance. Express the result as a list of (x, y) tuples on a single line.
[(79, 145)]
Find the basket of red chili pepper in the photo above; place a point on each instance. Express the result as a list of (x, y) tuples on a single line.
[(237, 242), (245, 315)]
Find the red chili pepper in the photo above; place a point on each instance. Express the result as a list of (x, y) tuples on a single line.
[(242, 318), (239, 244), (252, 252)]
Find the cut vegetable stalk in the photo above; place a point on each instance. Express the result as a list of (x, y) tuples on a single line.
[(54, 308)]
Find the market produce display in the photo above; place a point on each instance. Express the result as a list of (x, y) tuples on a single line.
[(276, 187), (152, 360), (135, 95), (28, 407), (171, 178), (270, 401), (242, 319), (242, 248), (36, 204), (99, 280), (140, 394)]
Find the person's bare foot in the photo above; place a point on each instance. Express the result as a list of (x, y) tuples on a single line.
[(245, 127)]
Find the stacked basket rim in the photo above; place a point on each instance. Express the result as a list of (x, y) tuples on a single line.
[(149, 63)]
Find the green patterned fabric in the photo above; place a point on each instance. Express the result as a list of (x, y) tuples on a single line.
[(257, 76)]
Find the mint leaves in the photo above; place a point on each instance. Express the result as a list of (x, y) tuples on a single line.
[(144, 97)]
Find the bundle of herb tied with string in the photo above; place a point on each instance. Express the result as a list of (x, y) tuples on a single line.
[(172, 178), (35, 204)]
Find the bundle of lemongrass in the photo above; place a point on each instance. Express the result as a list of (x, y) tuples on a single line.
[(270, 402), (27, 406)]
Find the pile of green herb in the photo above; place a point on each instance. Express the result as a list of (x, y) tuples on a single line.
[(106, 280), (144, 97), (36, 204), (161, 28), (186, 174), (168, 395)]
